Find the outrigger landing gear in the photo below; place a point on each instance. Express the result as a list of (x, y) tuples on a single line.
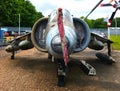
[(61, 72), (107, 58), (13, 53)]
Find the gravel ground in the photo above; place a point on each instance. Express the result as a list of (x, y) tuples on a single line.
[(32, 71)]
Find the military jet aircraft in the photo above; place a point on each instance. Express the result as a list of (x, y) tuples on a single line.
[(60, 35), (115, 5)]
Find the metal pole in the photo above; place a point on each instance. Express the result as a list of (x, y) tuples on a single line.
[(19, 25), (108, 32), (116, 27)]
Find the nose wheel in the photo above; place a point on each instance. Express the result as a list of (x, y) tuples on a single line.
[(61, 72), (61, 81)]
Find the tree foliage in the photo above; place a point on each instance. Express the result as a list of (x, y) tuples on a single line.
[(10, 10), (98, 23)]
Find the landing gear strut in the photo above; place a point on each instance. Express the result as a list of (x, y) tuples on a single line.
[(107, 58), (61, 72), (13, 53), (109, 48)]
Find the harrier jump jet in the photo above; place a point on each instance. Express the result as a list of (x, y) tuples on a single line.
[(60, 35)]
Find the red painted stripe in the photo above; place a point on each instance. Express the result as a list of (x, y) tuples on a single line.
[(62, 36)]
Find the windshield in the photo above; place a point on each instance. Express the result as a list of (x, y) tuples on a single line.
[(67, 18)]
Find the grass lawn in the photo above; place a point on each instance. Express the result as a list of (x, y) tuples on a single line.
[(116, 40)]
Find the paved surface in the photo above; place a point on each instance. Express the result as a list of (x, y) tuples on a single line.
[(32, 71)]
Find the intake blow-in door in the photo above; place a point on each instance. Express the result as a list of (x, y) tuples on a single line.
[(83, 34), (37, 35)]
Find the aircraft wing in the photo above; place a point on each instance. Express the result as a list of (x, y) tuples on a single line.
[(21, 42), (102, 39), (23, 37), (97, 42)]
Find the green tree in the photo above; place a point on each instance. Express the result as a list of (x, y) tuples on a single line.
[(88, 21), (99, 23), (10, 10)]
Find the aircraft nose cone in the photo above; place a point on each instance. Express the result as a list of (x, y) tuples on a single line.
[(56, 44)]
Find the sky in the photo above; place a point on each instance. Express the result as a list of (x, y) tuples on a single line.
[(77, 8)]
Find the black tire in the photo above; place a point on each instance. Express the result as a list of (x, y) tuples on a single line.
[(61, 81)]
